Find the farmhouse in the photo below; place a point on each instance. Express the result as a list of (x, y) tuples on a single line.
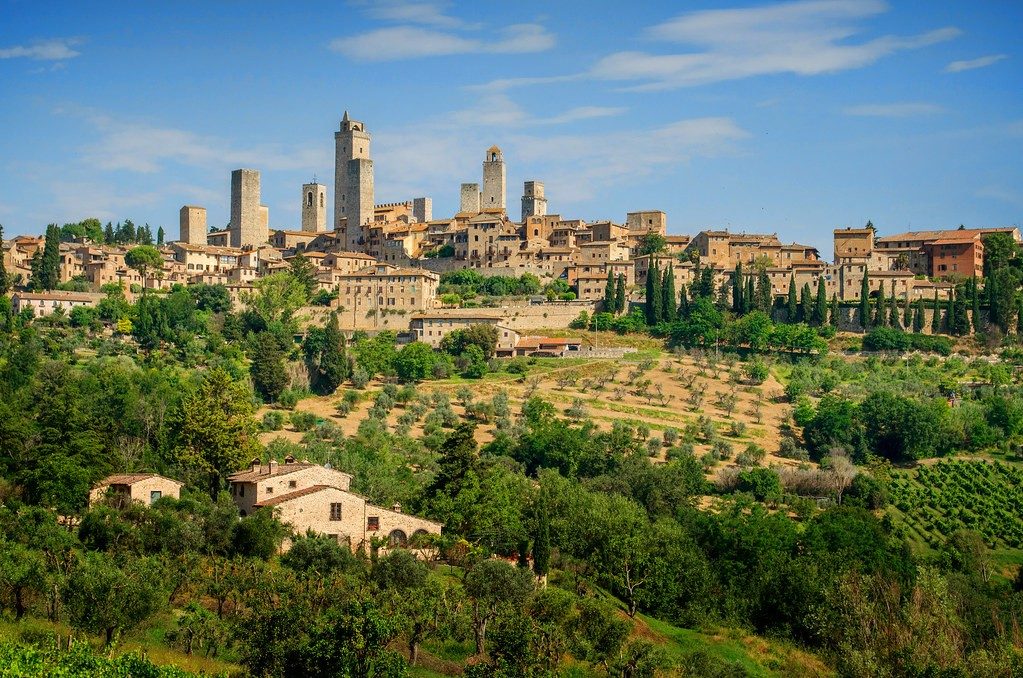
[(145, 488)]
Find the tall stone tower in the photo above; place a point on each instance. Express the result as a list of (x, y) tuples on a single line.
[(192, 221), (470, 199), (422, 209), (493, 180), (247, 224), (314, 207), (534, 204), (353, 182)]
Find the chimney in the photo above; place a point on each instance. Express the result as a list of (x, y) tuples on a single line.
[(396, 508), (255, 465), (273, 466), (289, 459)]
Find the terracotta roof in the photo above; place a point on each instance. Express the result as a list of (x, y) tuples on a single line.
[(953, 240), (249, 475), (60, 295), (280, 499), (131, 479)]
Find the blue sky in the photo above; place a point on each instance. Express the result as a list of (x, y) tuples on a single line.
[(795, 117)]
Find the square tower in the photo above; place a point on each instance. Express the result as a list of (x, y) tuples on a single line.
[(314, 207), (353, 182), (192, 221), (534, 204), (422, 209), (247, 226), (493, 180), (470, 199)]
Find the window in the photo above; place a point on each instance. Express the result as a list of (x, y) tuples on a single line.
[(154, 496), (292, 484), (373, 523), (241, 490), (335, 511)]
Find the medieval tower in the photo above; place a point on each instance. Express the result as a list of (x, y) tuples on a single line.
[(493, 196), (353, 183), (314, 207), (247, 218), (192, 220), (534, 204)]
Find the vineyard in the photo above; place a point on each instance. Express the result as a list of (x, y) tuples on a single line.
[(950, 495)]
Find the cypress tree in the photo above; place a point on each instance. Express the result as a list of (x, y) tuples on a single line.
[(936, 318), (918, 316), (820, 305), (962, 319), (694, 288), (542, 545), (159, 236), (333, 367), (1019, 317), (50, 268), (865, 302), (834, 311), (765, 297), (653, 294), (683, 304), (5, 278), (893, 310), (749, 299), (805, 311), (991, 292), (880, 309), (792, 307), (620, 294), (707, 282), (609, 292), (668, 309), (737, 289), (975, 305), (947, 321), (35, 281), (108, 234), (907, 313)]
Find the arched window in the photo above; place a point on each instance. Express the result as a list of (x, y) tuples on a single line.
[(309, 198), (321, 200), (397, 538)]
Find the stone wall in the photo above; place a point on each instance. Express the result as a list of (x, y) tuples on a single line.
[(469, 201), (246, 227)]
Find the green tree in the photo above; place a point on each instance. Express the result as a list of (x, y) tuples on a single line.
[(415, 361), (669, 311), (276, 297), (144, 259), (834, 311), (652, 243), (216, 431), (805, 308), (820, 304), (792, 306), (304, 273), (880, 308), (978, 323), (620, 294), (267, 365), (481, 335), (609, 292), (160, 235), (907, 312), (749, 299), (893, 310), (737, 289), (492, 586), (23, 576), (475, 362), (329, 360), (1004, 282), (1000, 250), (918, 316), (765, 295), (46, 263), (542, 544), (865, 302), (936, 318), (102, 596), (108, 234), (654, 297)]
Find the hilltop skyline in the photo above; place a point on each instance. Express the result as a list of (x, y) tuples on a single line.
[(793, 117)]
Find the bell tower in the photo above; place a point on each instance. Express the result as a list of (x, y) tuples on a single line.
[(493, 180), (353, 183)]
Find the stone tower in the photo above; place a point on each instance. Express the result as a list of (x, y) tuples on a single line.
[(247, 225), (314, 207), (193, 225), (534, 204), (470, 199), (422, 209), (493, 180), (353, 182)]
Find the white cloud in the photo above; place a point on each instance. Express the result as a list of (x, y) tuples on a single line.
[(426, 13), (411, 42), (55, 49), (144, 148), (1000, 193), (898, 110), (970, 64), (498, 110)]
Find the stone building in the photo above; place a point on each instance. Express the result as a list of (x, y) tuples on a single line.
[(192, 224), (248, 225), (353, 182), (144, 488), (534, 202), (313, 497), (383, 289), (45, 303), (314, 207), (493, 195), (422, 209), (648, 221), (469, 200)]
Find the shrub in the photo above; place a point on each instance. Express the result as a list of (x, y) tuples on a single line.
[(289, 398), (737, 429), (753, 455), (360, 377), (303, 421), (273, 421), (670, 436), (756, 371), (762, 483)]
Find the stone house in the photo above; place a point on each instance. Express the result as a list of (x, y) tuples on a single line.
[(45, 303), (313, 497), (145, 488)]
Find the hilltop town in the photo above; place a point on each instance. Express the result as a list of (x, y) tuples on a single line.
[(379, 265)]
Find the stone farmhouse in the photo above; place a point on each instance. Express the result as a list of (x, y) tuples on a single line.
[(312, 497), (144, 488)]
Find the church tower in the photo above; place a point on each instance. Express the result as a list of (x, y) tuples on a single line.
[(534, 203), (493, 180), (314, 207), (353, 183)]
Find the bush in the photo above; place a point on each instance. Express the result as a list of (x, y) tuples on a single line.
[(762, 483), (289, 398), (303, 421), (753, 455), (737, 429), (518, 365), (756, 371), (273, 421), (360, 377)]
